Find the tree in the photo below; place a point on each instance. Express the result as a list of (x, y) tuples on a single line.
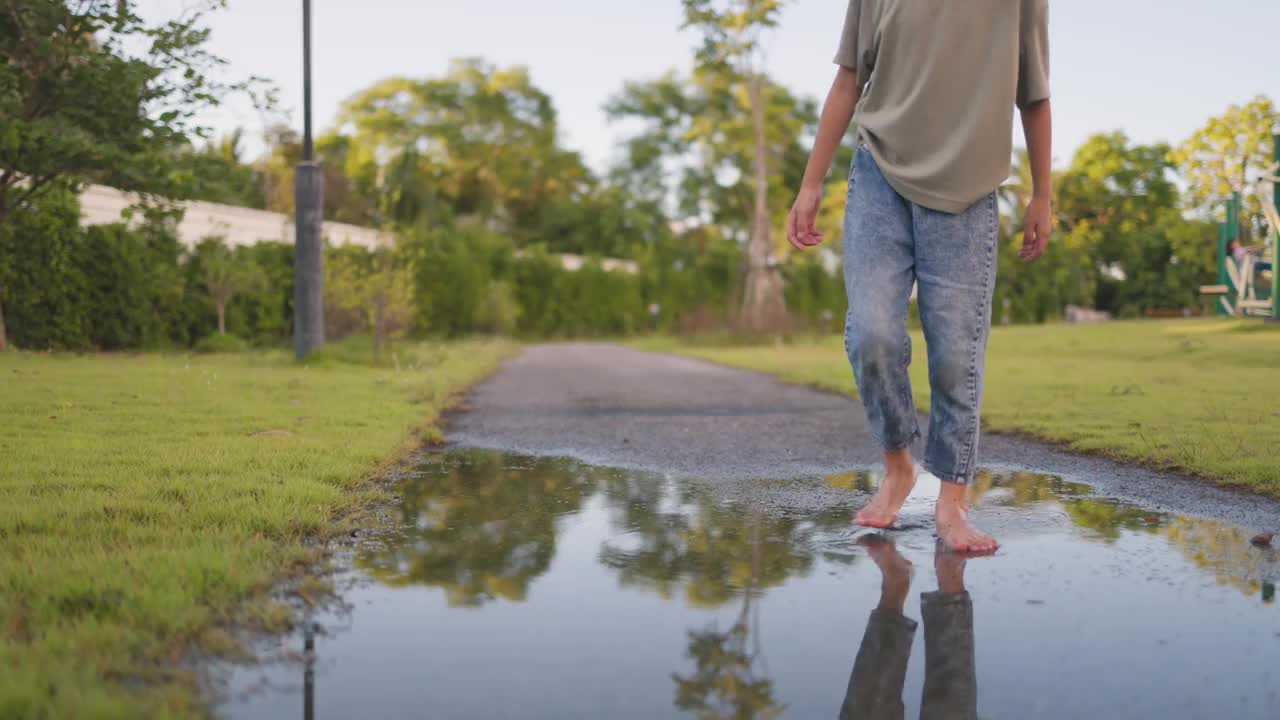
[(79, 101), (1228, 155), (226, 274), (480, 529), (731, 48), (215, 173), (40, 265), (1119, 203), (725, 683), (372, 285), (482, 141)]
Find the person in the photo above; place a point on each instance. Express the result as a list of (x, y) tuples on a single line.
[(880, 667), (1240, 253), (934, 85)]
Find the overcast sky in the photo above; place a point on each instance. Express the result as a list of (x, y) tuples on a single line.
[(1155, 69)]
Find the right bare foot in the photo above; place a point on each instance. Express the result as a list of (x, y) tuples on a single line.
[(956, 532), (899, 480)]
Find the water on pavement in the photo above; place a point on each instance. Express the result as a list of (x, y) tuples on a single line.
[(515, 587)]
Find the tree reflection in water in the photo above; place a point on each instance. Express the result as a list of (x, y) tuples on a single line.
[(683, 537), (480, 526), (1215, 547), (483, 526)]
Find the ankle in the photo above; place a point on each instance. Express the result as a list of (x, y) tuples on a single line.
[(899, 462), (953, 496)]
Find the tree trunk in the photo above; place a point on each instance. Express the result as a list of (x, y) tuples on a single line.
[(222, 318), (764, 307), (379, 325), (4, 336)]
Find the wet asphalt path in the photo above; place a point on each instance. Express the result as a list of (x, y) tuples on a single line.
[(614, 406)]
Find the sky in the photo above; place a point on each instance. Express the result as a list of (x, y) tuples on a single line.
[(1155, 69)]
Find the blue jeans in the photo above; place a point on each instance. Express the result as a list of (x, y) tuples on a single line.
[(891, 244)]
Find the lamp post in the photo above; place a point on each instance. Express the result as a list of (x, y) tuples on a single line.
[(308, 251), (1275, 238)]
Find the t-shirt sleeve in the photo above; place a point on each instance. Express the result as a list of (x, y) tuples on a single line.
[(1033, 53), (849, 51)]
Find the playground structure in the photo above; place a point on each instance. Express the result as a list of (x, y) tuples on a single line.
[(1250, 288)]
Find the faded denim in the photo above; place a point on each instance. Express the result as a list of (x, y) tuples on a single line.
[(880, 670), (891, 244)]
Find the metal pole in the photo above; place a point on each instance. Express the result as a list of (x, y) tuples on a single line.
[(1233, 217), (308, 150), (308, 249), (309, 671), (1219, 308), (1275, 239)]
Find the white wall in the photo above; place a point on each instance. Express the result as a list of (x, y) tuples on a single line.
[(237, 226), (100, 205)]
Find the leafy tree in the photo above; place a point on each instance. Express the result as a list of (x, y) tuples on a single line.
[(499, 313), (41, 278), (732, 52), (264, 313), (285, 152), (133, 285), (724, 684), (1123, 244), (479, 529), (713, 552), (1219, 549), (683, 538), (1066, 274), (481, 140), (452, 273), (89, 91), (372, 285), (1119, 203), (723, 145), (1228, 154), (225, 275), (215, 173)]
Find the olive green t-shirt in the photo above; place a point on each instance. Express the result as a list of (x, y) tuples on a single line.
[(941, 79)]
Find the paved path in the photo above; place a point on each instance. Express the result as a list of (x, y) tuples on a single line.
[(614, 406)]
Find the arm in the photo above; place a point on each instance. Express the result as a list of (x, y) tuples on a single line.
[(837, 113), (1037, 126)]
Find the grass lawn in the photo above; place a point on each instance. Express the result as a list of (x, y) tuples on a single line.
[(1197, 395), (148, 502)]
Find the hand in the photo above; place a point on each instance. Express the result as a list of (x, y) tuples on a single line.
[(802, 223), (1037, 227)]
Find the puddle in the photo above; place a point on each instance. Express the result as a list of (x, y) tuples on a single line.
[(542, 588)]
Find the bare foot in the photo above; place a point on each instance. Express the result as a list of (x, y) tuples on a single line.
[(895, 570), (899, 479), (954, 529)]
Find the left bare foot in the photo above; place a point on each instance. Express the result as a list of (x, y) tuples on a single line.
[(956, 532), (900, 476)]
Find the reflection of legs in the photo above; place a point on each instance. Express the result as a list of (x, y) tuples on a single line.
[(875, 687), (951, 683)]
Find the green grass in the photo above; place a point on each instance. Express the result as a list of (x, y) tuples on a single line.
[(1201, 396), (148, 503)]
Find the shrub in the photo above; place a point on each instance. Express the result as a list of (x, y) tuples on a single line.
[(221, 344)]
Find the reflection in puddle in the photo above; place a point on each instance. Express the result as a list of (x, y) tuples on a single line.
[(520, 587)]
